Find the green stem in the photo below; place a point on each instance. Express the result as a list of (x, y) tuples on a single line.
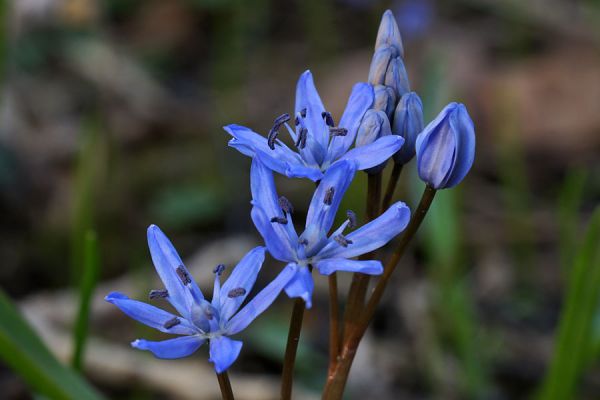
[(336, 380), (392, 183), (287, 374), (360, 282), (225, 385)]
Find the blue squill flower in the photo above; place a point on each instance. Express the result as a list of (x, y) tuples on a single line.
[(446, 148), (319, 142), (408, 123), (200, 320), (315, 247)]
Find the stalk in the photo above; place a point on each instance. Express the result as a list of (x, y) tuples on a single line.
[(392, 183), (337, 378), (287, 374), (225, 385)]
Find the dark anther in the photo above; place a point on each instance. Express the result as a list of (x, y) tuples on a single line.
[(337, 131), (301, 141), (328, 199), (219, 269), (171, 323), (342, 241), (282, 119), (183, 275), (271, 137), (303, 242), (303, 113), (285, 205), (237, 292), (209, 313), (279, 220), (352, 218), (328, 118), (296, 121), (158, 294)]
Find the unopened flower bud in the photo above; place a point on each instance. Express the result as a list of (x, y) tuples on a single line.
[(385, 99), (396, 77), (374, 125), (389, 34), (446, 148), (379, 65), (408, 123)]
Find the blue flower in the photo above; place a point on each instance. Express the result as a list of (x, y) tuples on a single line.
[(272, 216), (319, 142), (200, 320), (446, 148)]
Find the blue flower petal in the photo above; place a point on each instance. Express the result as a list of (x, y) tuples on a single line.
[(375, 153), (328, 196), (149, 315), (261, 301), (223, 352), (243, 276), (331, 265), (308, 98), (172, 348), (250, 143), (302, 171), (265, 197), (277, 244), (301, 285), (167, 261), (361, 99), (371, 236)]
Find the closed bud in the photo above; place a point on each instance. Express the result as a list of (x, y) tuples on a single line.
[(446, 148), (379, 65), (389, 34), (396, 77), (374, 125), (385, 99), (408, 123)]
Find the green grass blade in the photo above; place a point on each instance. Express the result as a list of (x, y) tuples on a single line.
[(86, 289), (574, 338), (569, 203), (23, 351)]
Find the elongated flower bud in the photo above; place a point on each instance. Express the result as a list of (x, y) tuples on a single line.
[(446, 148), (385, 99), (389, 34), (396, 77), (379, 65), (408, 123)]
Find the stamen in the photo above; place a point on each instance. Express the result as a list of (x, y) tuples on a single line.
[(219, 269), (209, 313), (337, 131), (328, 199), (158, 294), (303, 113), (303, 242), (352, 218), (171, 323), (285, 205), (301, 141), (342, 241), (183, 275), (326, 115), (279, 220), (237, 292), (282, 119), (271, 137)]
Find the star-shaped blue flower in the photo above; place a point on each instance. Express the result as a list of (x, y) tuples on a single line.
[(319, 142), (315, 247), (200, 320)]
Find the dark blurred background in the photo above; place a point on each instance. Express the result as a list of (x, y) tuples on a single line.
[(111, 119)]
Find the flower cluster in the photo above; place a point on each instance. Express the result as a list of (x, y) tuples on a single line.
[(382, 120)]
